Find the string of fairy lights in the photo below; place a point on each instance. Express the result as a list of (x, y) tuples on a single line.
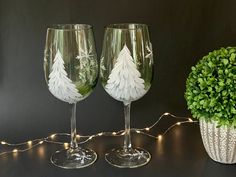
[(30, 144)]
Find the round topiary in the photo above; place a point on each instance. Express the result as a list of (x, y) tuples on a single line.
[(211, 87)]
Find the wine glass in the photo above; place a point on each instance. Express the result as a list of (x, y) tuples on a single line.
[(71, 73), (126, 71)]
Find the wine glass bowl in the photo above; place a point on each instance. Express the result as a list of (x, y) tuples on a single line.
[(71, 73), (70, 62), (126, 71)]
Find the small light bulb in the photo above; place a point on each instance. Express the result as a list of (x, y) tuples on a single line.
[(178, 123), (100, 134), (40, 142), (123, 133), (147, 128), (66, 145), (166, 114), (53, 136), (113, 133), (77, 136), (3, 142), (90, 137), (29, 142), (15, 150), (190, 120), (137, 131), (159, 137)]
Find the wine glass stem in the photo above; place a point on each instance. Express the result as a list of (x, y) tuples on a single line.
[(127, 137), (73, 144)]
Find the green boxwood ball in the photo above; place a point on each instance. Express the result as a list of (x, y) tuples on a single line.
[(211, 87)]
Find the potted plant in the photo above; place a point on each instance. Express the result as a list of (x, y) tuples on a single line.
[(211, 98)]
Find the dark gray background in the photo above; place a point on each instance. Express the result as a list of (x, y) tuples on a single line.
[(182, 31)]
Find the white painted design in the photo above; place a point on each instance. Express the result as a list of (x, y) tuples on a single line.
[(59, 84), (87, 65), (85, 54), (149, 54), (102, 67), (124, 82), (102, 64)]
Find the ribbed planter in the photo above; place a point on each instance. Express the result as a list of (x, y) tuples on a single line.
[(220, 143)]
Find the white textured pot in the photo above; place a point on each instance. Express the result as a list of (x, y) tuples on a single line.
[(220, 143)]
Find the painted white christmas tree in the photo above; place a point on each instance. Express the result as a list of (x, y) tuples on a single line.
[(59, 84), (124, 82)]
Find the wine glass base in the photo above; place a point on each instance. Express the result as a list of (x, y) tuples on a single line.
[(73, 158), (131, 158)]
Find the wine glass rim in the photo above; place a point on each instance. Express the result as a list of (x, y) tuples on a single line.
[(69, 27), (126, 26)]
